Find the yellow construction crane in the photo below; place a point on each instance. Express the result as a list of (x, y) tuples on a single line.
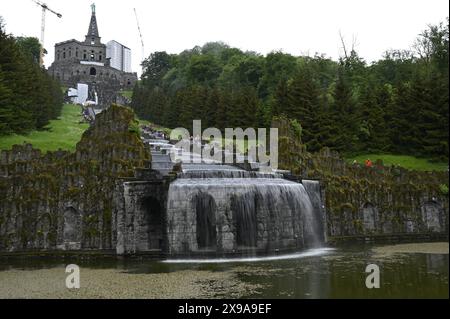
[(44, 9)]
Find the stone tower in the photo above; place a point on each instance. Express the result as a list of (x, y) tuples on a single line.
[(93, 36)]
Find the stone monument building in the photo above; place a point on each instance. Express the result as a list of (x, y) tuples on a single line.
[(88, 62)]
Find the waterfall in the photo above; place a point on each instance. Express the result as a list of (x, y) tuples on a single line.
[(228, 210), (318, 222), (205, 208), (244, 208)]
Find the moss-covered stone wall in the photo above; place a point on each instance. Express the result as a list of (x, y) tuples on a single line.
[(65, 200), (376, 200), (380, 200)]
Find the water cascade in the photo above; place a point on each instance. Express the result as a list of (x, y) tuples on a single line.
[(223, 210)]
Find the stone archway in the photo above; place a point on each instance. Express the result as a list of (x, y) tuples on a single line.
[(432, 216), (72, 229), (150, 232), (370, 217), (205, 214)]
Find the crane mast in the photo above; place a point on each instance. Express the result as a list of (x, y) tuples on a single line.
[(140, 35), (45, 8)]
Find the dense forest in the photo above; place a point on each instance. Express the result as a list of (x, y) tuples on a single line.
[(29, 97), (398, 104)]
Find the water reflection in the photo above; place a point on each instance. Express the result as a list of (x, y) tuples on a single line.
[(317, 273)]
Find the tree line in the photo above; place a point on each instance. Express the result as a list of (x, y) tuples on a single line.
[(29, 97), (398, 104)]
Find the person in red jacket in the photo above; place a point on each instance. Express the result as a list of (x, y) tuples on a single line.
[(368, 163)]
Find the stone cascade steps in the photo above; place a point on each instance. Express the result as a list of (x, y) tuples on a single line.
[(162, 163), (160, 157)]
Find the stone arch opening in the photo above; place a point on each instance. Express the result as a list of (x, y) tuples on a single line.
[(370, 216), (244, 214), (205, 213), (151, 230), (431, 215), (72, 228), (93, 71)]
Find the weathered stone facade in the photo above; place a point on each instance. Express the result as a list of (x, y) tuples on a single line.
[(63, 200), (377, 201), (139, 215), (381, 200), (369, 202)]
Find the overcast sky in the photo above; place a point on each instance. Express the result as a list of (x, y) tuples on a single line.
[(296, 27)]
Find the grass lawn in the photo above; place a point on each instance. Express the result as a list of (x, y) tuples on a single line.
[(155, 126), (63, 133), (405, 161), (144, 122), (127, 94)]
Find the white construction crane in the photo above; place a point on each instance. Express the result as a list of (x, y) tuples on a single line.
[(140, 35), (44, 9)]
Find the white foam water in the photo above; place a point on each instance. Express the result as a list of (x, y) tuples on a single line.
[(307, 253)]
